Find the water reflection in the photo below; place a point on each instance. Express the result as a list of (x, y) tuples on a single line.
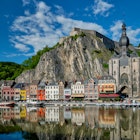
[(54, 122)]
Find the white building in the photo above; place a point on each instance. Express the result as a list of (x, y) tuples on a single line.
[(67, 94), (52, 92), (77, 90), (52, 114)]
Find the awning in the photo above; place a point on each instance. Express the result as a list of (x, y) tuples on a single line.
[(114, 95), (77, 95)]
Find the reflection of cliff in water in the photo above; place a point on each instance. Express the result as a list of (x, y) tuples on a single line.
[(72, 123)]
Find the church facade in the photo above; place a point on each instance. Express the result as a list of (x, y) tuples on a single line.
[(125, 68)]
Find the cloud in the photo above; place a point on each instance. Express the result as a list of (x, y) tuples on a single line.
[(100, 7), (116, 30), (44, 27), (9, 55), (134, 35), (67, 24), (25, 2)]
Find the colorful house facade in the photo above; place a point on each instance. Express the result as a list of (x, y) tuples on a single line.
[(107, 87), (77, 90), (91, 89)]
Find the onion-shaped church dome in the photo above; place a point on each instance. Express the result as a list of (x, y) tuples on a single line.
[(124, 40)]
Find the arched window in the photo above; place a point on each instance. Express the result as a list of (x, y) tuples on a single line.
[(124, 78)]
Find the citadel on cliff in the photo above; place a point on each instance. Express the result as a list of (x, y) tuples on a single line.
[(76, 68)]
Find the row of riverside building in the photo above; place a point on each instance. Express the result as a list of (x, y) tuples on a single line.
[(91, 89)]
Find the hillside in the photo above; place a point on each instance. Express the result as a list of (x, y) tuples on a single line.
[(10, 70), (81, 55)]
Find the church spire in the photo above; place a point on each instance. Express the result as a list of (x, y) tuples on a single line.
[(124, 40)]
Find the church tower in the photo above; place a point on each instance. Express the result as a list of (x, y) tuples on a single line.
[(124, 42), (125, 67)]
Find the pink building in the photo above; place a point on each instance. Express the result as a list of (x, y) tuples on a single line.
[(33, 90), (91, 89), (7, 93)]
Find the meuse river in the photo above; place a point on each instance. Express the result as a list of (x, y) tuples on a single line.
[(69, 123)]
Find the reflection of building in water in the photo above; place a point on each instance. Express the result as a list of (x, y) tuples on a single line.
[(107, 118), (78, 116), (52, 114), (61, 115), (8, 114), (67, 113), (136, 124), (22, 112), (91, 115), (16, 112), (32, 116), (130, 124), (41, 113)]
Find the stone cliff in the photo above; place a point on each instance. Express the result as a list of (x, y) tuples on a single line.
[(81, 55)]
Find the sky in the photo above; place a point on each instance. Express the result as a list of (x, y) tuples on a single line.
[(27, 26)]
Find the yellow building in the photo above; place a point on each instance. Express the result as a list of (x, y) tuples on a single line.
[(23, 95)]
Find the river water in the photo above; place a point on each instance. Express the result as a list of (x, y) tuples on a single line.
[(69, 123)]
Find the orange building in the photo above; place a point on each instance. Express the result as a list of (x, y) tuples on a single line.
[(41, 94), (107, 86), (41, 91)]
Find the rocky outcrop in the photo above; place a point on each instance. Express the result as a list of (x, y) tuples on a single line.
[(83, 55)]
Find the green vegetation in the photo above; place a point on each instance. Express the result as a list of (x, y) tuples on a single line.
[(9, 129), (78, 35), (130, 51), (10, 70), (97, 51), (31, 63), (138, 52), (103, 56), (105, 135), (105, 65), (139, 45)]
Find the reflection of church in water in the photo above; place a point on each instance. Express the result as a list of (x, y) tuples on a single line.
[(125, 67)]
